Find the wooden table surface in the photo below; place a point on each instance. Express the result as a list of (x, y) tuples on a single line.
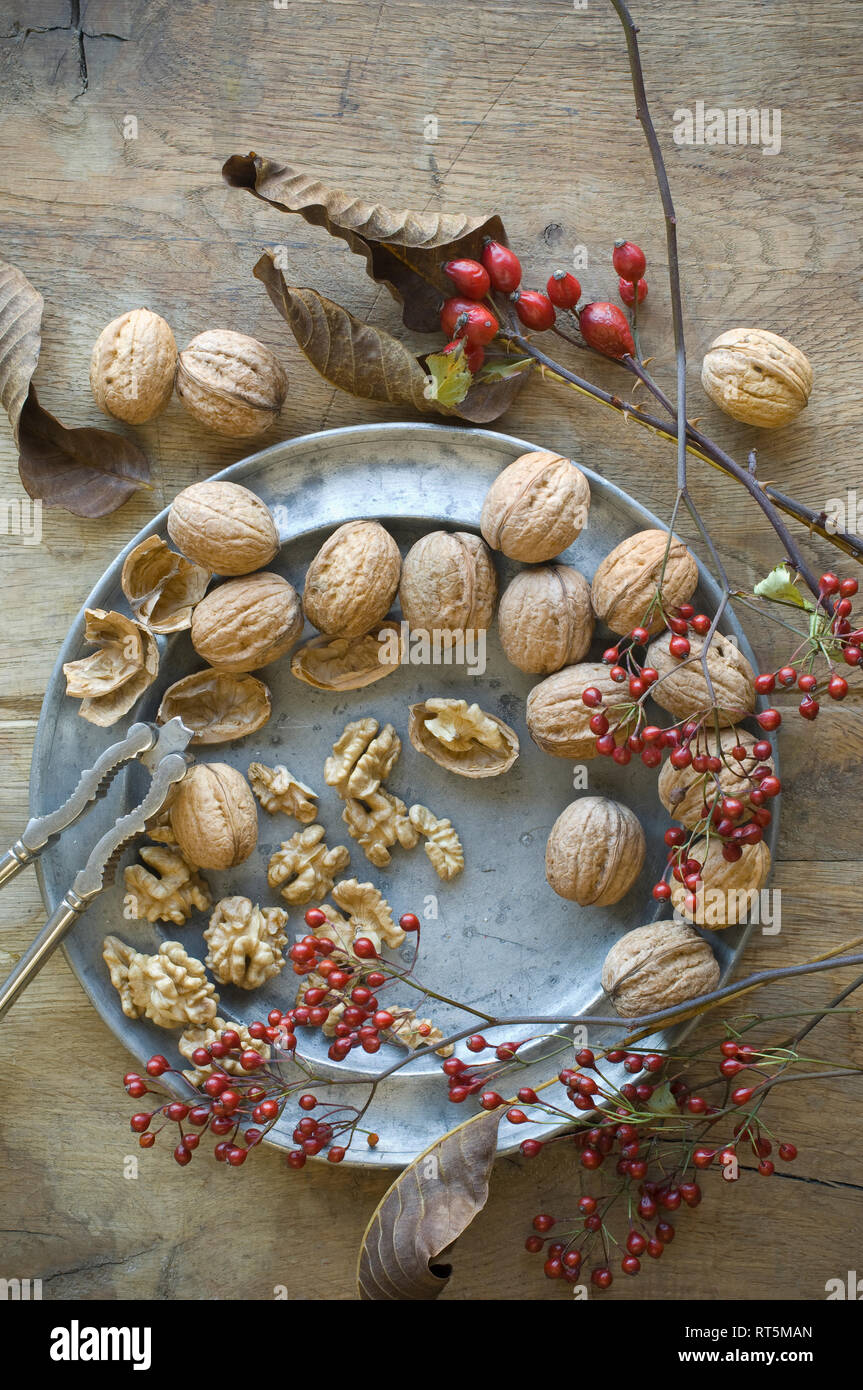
[(535, 119)]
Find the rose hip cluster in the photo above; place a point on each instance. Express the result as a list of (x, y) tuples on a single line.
[(839, 635), (471, 317), (242, 1090), (655, 1167)]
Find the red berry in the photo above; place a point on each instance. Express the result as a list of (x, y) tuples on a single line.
[(604, 327), (848, 588), (591, 697), (628, 260), (503, 266), (809, 708), (627, 291), (837, 688), (364, 948), (769, 719), (829, 584), (765, 683), (787, 1152), (469, 277), (535, 310), (449, 316), (743, 1095), (157, 1065), (853, 656), (563, 290), (679, 647), (409, 921), (602, 1278)]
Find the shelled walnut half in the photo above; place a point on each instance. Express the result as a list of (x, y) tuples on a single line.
[(170, 987), (462, 738), (164, 888), (305, 868), (246, 942), (442, 844), (278, 790)]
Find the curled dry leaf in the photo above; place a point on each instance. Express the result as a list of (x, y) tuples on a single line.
[(367, 361), (349, 663), (430, 1204), (217, 706), (161, 586), (462, 738), (406, 251), (90, 472), (110, 681)]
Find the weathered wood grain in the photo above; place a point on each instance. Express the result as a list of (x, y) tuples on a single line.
[(534, 119)]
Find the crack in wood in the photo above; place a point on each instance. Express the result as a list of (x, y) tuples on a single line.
[(76, 28)]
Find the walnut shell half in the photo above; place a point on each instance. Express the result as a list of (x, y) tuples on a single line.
[(595, 852), (682, 689), (448, 583), (161, 586), (111, 680), (536, 507), (349, 663), (462, 738), (352, 580), (545, 619), (626, 581), (756, 377), (658, 966), (217, 706), (224, 527), (214, 816), (247, 622)]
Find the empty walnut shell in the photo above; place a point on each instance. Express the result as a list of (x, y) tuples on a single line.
[(214, 816), (448, 583), (545, 619), (726, 893), (756, 377), (162, 587), (223, 526), (595, 852), (352, 580), (111, 680), (682, 689), (658, 966), (217, 705), (349, 663), (470, 757), (536, 507), (247, 622), (683, 791), (625, 582), (559, 720)]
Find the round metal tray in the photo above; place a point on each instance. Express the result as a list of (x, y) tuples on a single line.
[(496, 937)]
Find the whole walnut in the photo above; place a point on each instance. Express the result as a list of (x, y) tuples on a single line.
[(448, 583), (545, 619), (684, 791), (626, 581), (214, 816), (756, 377), (352, 580), (595, 852), (658, 966), (682, 689), (536, 507), (558, 719), (231, 383), (223, 527), (132, 366), (726, 892), (247, 622)]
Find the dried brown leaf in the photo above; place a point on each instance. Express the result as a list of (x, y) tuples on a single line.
[(428, 1206), (406, 251), (367, 361), (90, 472)]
